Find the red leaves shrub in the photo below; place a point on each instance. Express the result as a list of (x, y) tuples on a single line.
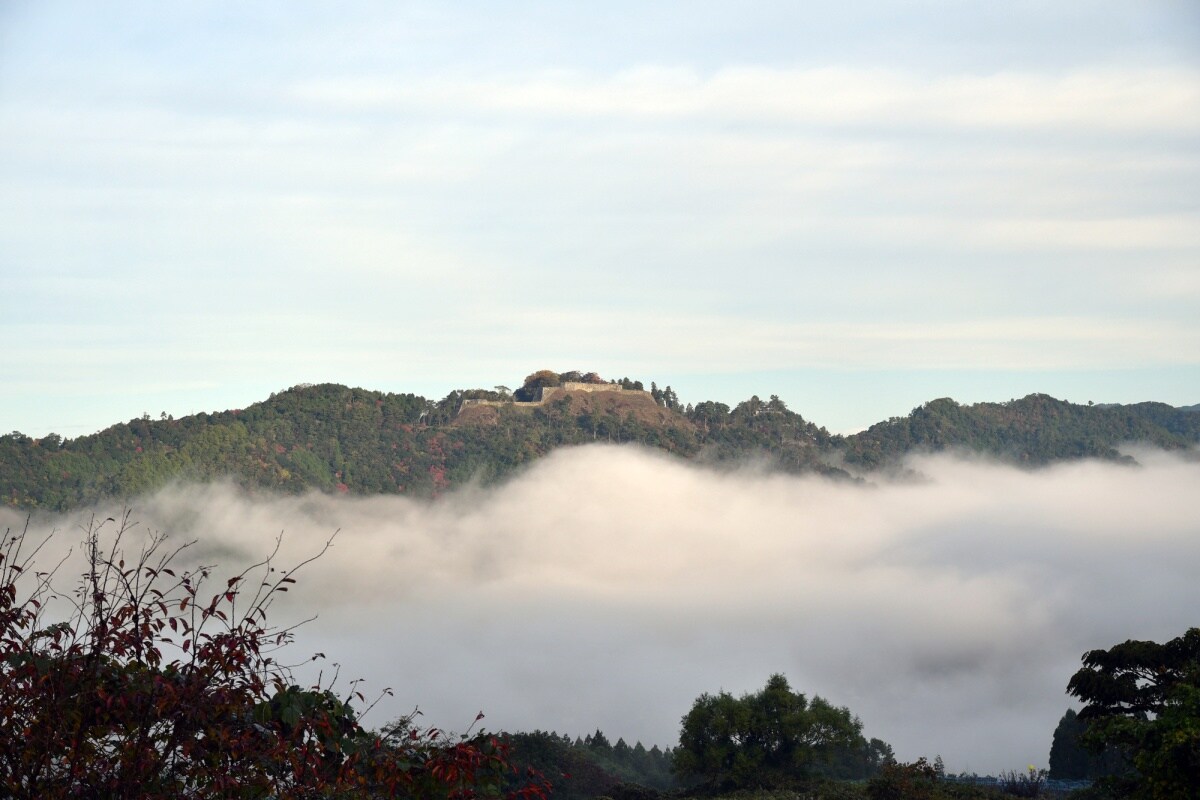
[(151, 687)]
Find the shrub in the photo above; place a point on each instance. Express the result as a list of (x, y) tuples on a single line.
[(1023, 784), (915, 781), (147, 687)]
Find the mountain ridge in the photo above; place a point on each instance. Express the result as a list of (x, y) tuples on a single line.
[(339, 439)]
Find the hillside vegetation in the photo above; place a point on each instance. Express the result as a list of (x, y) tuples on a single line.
[(1034, 430), (333, 438)]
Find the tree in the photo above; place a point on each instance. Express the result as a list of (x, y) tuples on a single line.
[(1143, 698), (710, 414), (771, 737), (1071, 760), (146, 688), (535, 382), (588, 768)]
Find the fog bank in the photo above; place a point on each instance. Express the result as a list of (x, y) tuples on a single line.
[(609, 586)]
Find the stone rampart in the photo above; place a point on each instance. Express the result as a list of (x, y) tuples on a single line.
[(481, 402), (549, 392), (577, 386)]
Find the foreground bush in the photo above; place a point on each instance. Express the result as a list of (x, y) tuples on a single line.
[(153, 684)]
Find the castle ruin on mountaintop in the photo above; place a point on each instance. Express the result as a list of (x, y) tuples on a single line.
[(548, 393)]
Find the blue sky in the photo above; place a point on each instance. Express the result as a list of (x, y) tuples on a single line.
[(858, 207)]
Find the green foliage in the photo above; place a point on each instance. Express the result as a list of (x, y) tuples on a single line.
[(1032, 431), (337, 439), (1029, 783), (1071, 760), (586, 768), (916, 781), (531, 389), (1143, 698), (921, 780), (772, 738)]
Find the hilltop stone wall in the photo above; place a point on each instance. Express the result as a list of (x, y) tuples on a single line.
[(550, 392), (482, 402), (577, 386)]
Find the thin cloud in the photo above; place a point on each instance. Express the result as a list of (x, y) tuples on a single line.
[(1163, 100), (699, 341)]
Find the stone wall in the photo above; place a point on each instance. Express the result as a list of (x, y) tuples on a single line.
[(482, 402), (576, 386), (550, 392)]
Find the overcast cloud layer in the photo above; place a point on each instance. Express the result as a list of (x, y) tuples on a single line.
[(857, 209), (608, 587)]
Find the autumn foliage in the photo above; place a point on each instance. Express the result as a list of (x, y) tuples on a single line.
[(147, 682)]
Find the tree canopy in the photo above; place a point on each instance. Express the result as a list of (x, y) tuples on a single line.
[(773, 737), (1071, 759), (1143, 698), (591, 767), (336, 439)]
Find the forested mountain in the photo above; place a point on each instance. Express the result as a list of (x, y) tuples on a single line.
[(1034, 430), (338, 439)]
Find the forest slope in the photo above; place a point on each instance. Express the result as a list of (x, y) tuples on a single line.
[(1034, 430), (333, 438)]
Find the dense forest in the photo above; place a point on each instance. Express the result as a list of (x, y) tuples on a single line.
[(337, 439)]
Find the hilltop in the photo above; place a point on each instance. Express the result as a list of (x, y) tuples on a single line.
[(337, 439), (590, 399)]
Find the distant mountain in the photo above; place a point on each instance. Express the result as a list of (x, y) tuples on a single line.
[(337, 439), (1034, 430)]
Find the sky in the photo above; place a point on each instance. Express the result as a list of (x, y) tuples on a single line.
[(858, 207), (608, 587)]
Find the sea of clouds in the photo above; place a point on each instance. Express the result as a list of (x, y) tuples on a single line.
[(607, 587)]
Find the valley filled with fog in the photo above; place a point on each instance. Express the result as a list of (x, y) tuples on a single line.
[(607, 587)]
